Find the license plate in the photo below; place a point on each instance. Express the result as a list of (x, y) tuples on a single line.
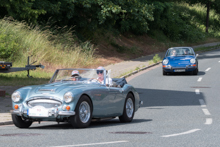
[(179, 70), (38, 112)]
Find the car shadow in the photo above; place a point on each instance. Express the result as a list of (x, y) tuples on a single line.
[(185, 74), (205, 56), (94, 124), (157, 98)]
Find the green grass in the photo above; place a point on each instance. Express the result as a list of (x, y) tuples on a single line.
[(20, 78), (61, 50), (197, 15), (207, 48)]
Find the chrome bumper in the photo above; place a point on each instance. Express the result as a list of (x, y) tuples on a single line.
[(52, 112)]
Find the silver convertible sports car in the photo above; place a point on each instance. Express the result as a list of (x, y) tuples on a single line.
[(75, 96)]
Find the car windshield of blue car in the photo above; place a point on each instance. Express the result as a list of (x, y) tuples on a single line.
[(80, 76), (180, 52)]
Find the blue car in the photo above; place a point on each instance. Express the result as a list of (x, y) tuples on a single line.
[(180, 59), (75, 96)]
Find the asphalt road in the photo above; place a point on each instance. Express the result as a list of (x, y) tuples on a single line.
[(178, 110)]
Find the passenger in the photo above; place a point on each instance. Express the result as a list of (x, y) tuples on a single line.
[(173, 53), (75, 75), (100, 79)]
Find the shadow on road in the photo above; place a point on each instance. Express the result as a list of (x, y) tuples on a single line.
[(96, 124), (185, 74), (205, 56), (153, 97)]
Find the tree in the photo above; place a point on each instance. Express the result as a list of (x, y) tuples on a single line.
[(210, 4)]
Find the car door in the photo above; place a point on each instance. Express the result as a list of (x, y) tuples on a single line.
[(115, 99)]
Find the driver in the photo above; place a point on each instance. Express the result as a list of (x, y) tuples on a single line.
[(186, 51), (75, 75), (100, 79)]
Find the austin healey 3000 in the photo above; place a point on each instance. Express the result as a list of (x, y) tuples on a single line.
[(76, 100)]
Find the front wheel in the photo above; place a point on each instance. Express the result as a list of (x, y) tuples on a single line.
[(164, 73), (83, 116), (129, 109), (195, 72), (19, 122)]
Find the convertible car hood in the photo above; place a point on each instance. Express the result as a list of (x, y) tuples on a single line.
[(57, 87)]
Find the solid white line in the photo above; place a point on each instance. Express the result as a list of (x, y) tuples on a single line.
[(202, 103), (208, 121), (200, 79), (188, 132), (101, 143), (206, 111), (208, 69), (197, 91)]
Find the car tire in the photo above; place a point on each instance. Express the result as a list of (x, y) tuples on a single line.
[(195, 72), (19, 122), (164, 73), (129, 108), (83, 116)]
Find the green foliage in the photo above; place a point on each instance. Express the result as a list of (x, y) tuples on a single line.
[(177, 22), (128, 15), (22, 9), (8, 46), (156, 58)]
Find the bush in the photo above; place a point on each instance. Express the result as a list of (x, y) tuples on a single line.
[(8, 46)]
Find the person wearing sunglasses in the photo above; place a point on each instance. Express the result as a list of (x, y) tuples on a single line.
[(100, 79)]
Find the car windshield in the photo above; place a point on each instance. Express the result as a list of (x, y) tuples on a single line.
[(79, 75), (180, 52)]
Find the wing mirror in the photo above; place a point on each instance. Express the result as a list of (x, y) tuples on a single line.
[(197, 55)]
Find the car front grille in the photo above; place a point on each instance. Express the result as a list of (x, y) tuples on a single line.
[(46, 103)]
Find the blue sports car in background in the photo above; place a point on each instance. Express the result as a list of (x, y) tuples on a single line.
[(75, 96), (180, 59)]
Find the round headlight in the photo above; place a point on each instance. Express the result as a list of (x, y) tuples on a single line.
[(68, 97), (16, 96), (165, 61), (192, 61)]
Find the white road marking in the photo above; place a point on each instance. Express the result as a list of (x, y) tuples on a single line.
[(101, 143), (197, 91), (202, 103), (200, 79), (208, 69), (206, 111), (208, 121), (188, 132)]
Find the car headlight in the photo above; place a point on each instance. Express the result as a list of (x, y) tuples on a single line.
[(16, 96), (68, 97), (165, 61), (192, 61)]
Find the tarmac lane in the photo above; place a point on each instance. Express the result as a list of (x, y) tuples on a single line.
[(179, 110)]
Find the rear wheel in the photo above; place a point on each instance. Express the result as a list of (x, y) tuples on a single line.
[(19, 122), (83, 116), (129, 108)]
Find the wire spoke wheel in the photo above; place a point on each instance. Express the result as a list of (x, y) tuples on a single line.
[(84, 112), (129, 107)]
